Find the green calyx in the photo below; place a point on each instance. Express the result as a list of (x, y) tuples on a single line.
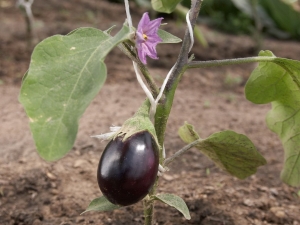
[(138, 123)]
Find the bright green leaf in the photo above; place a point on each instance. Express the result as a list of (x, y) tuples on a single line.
[(65, 74), (279, 82), (101, 204), (165, 6), (176, 202), (232, 152), (167, 37)]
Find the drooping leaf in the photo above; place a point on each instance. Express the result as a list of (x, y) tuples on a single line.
[(65, 74), (176, 202), (165, 6), (231, 151), (167, 37), (278, 82), (101, 204)]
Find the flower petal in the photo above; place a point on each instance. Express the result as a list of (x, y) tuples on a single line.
[(152, 26), (151, 51), (143, 22), (154, 39), (142, 53), (147, 37), (139, 38)]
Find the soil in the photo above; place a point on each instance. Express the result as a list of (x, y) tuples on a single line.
[(35, 192)]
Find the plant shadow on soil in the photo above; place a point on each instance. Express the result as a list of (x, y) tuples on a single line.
[(36, 192)]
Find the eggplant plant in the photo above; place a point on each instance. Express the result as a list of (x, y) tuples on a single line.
[(67, 71)]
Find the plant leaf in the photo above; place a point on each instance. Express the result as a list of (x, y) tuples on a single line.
[(65, 74), (231, 151), (167, 37), (101, 204), (165, 6), (279, 82), (176, 202)]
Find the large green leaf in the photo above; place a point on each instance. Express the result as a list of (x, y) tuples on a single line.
[(176, 202), (65, 74), (101, 204), (165, 6), (279, 82), (232, 152)]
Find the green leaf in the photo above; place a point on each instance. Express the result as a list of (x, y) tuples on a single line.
[(165, 6), (231, 151), (101, 204), (167, 37), (279, 82), (65, 74), (176, 202)]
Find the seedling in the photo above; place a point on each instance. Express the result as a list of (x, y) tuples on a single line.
[(25, 7), (67, 72)]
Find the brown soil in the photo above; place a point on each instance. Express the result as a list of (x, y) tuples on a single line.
[(33, 191)]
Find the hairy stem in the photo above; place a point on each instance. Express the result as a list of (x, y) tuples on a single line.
[(148, 210), (181, 151), (165, 104), (226, 62), (125, 48)]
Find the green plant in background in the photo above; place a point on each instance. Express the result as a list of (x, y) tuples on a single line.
[(276, 17), (224, 15), (232, 81), (25, 7), (67, 71), (284, 16)]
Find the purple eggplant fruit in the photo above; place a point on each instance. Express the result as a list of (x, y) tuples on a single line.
[(127, 169)]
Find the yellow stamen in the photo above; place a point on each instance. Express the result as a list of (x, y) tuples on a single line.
[(145, 36)]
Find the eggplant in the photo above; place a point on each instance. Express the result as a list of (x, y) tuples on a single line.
[(128, 169)]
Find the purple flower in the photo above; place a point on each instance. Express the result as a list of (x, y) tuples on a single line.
[(147, 37)]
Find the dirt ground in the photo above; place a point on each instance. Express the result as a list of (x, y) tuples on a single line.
[(35, 192)]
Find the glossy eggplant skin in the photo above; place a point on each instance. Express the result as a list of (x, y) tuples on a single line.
[(127, 170)]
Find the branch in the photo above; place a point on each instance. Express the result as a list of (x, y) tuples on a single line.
[(183, 55), (164, 107), (125, 48), (226, 62), (181, 151)]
